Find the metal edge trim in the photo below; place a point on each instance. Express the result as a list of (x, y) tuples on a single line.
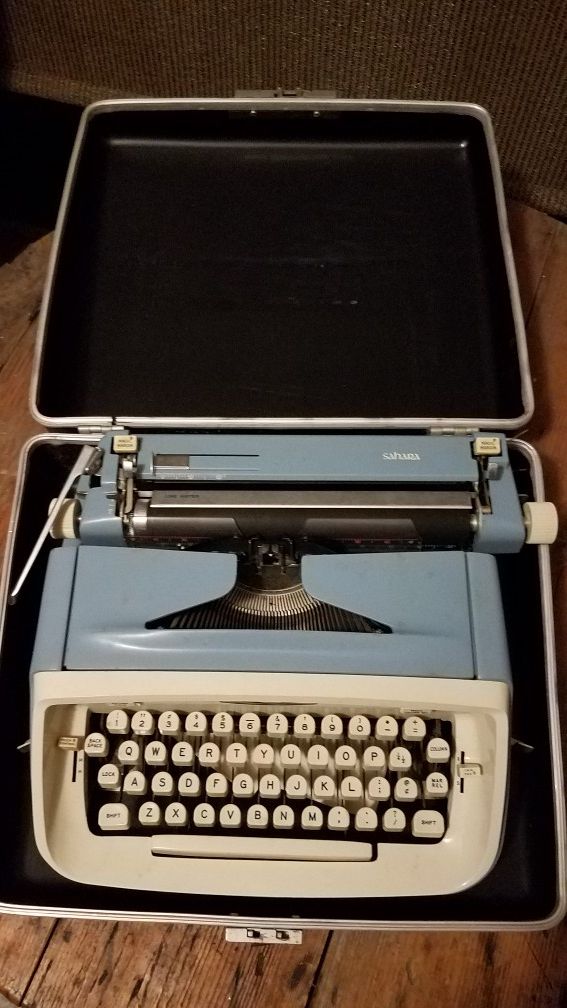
[(374, 104)]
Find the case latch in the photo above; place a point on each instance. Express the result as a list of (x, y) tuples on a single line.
[(286, 93), (263, 936)]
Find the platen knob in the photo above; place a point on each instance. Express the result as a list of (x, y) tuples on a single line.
[(540, 519), (65, 525)]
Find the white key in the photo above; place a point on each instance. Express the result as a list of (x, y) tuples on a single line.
[(236, 754), (317, 756), (257, 817), (209, 754), (155, 754), (283, 817), (135, 783), (413, 729), (169, 723), (405, 789), (216, 785), (290, 755), (428, 824), (243, 786), (128, 753), (400, 758), (162, 783), (304, 725), (114, 816), (378, 789), (359, 727), (436, 786), (222, 724), (117, 722), (393, 820), (311, 818), (108, 777), (345, 758), (366, 820), (189, 785), (230, 817), (149, 814), (338, 818), (331, 726), (269, 786), (204, 815), (351, 788), (182, 754), (437, 751), (263, 755), (176, 814), (249, 725), (324, 788), (277, 726), (196, 723), (373, 758), (142, 723), (296, 786), (386, 727), (96, 745)]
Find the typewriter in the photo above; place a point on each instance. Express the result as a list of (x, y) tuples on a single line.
[(271, 664)]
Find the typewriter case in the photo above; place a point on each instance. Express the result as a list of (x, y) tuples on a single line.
[(283, 264)]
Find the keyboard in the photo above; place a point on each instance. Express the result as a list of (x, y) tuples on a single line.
[(290, 785)]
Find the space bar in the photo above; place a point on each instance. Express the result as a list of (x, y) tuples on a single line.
[(260, 848)]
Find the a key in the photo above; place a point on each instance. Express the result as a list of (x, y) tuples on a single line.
[(222, 724), (230, 817), (249, 725), (386, 728), (182, 754), (169, 723), (428, 824), (366, 820), (277, 726), (345, 758), (359, 727), (311, 818), (437, 751), (269, 786), (331, 727), (135, 783), (196, 723), (296, 786), (216, 785), (413, 729), (338, 818), (304, 726), (257, 817), (399, 758), (405, 790), (162, 784), (117, 722), (108, 777), (378, 789), (317, 757), (204, 815), (263, 755), (373, 758), (149, 814), (142, 723), (243, 786), (189, 785), (155, 754), (176, 814), (393, 820), (324, 788), (283, 817), (436, 786), (290, 756), (351, 788), (96, 745), (114, 816), (128, 753), (209, 754), (236, 754)]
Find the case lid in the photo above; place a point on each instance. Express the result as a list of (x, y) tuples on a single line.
[(282, 263)]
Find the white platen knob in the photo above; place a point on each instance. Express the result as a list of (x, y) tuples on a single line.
[(65, 524), (541, 521)]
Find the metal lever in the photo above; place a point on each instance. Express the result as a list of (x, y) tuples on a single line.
[(85, 461)]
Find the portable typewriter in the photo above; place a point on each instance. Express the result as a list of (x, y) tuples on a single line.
[(271, 655)]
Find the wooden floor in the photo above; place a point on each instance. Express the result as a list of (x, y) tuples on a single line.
[(88, 964)]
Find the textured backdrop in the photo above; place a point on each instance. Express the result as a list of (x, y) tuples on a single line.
[(508, 55)]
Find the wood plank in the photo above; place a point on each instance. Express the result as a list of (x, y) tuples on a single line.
[(531, 234), (22, 942), (93, 963), (21, 285)]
